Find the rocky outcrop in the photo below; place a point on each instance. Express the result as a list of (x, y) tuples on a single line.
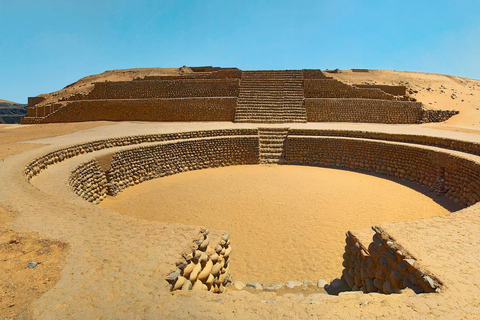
[(12, 112)]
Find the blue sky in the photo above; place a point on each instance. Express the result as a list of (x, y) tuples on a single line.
[(46, 45)]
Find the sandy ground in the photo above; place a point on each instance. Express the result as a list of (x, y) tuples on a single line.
[(284, 215), (12, 136)]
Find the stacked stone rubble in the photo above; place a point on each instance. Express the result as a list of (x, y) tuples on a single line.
[(89, 182), (205, 267), (383, 267), (430, 115)]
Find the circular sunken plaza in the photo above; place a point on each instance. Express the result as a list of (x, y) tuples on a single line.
[(220, 193)]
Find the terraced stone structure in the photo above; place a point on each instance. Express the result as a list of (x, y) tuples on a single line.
[(229, 94)]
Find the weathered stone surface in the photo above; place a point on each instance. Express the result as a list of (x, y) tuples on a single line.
[(254, 285), (293, 284), (272, 286)]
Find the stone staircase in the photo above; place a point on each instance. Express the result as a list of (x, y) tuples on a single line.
[(272, 142), (275, 96)]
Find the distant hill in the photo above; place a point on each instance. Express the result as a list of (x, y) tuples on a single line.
[(11, 112)]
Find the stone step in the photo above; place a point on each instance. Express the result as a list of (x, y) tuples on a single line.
[(266, 115), (270, 111), (270, 119)]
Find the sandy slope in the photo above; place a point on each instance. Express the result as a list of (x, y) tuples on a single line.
[(6, 101)]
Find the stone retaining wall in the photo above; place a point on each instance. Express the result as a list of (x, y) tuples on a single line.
[(131, 167), (89, 181), (383, 267), (393, 90), (41, 163), (363, 110), (435, 170), (446, 143), (331, 88), (151, 89), (204, 266), (186, 109)]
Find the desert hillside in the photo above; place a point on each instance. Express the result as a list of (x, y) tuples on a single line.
[(435, 91), (11, 112)]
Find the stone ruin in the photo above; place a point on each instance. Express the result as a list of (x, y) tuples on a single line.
[(230, 94)]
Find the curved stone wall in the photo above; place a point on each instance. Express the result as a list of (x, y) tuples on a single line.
[(441, 172), (89, 181), (134, 166), (41, 163), (381, 265), (446, 143)]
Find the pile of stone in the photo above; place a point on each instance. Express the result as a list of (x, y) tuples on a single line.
[(430, 115), (205, 267), (384, 267)]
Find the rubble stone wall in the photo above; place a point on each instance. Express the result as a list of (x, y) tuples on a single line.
[(331, 88), (363, 110), (39, 164), (438, 171), (187, 109), (394, 90), (89, 181), (131, 167), (446, 143), (383, 266), (151, 89)]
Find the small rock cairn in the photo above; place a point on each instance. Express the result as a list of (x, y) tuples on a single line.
[(204, 268)]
